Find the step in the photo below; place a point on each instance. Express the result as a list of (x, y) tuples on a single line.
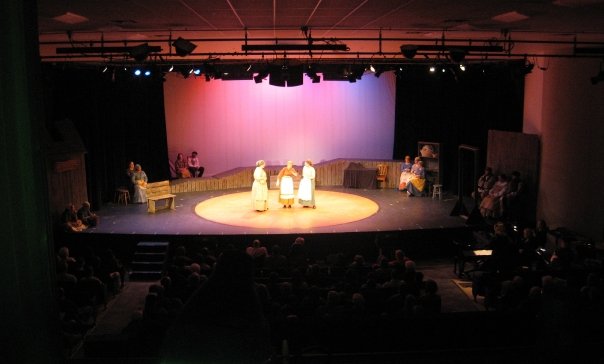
[(149, 257), (141, 275), (149, 266)]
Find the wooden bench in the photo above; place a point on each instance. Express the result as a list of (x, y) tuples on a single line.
[(157, 191)]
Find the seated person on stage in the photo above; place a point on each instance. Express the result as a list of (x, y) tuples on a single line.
[(405, 173), (128, 179), (513, 196), (139, 180), (491, 203), (285, 182), (194, 167), (180, 164), (417, 183), (485, 183), (88, 217), (70, 221)]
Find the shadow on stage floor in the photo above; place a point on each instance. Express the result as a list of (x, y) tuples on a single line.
[(420, 225)]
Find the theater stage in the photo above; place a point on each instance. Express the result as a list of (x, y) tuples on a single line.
[(229, 212), (346, 220)]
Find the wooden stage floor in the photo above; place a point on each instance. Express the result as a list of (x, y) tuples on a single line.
[(229, 212)]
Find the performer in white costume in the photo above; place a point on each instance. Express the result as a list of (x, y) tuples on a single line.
[(285, 182), (260, 188), (306, 191)]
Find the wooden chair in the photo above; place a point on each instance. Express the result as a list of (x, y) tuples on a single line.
[(382, 173)]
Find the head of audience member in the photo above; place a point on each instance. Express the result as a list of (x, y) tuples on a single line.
[(410, 266), (299, 241), (499, 228), (256, 243), (430, 287)]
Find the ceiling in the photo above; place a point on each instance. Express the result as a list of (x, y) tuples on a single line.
[(370, 29)]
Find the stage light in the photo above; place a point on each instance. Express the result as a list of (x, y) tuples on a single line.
[(462, 67), (137, 72), (371, 68), (409, 51), (147, 73), (171, 68), (183, 47), (432, 69), (105, 69), (457, 55), (443, 70), (140, 52), (197, 71), (262, 74)]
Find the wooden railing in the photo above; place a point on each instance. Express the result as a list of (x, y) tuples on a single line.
[(329, 173)]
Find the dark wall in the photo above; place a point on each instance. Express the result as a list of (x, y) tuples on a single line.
[(454, 108), (119, 118)]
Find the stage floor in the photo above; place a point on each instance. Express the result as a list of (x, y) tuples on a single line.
[(229, 212)]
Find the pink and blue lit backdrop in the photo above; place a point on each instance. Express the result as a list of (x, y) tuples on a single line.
[(234, 123)]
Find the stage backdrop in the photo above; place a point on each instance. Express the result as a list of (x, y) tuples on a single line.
[(234, 123)]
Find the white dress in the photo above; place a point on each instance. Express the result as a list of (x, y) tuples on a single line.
[(259, 190), (306, 191)]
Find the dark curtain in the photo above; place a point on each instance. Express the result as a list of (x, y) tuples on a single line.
[(120, 119), (454, 108)]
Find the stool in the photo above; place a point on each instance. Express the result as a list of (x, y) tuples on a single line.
[(122, 195), (437, 190)]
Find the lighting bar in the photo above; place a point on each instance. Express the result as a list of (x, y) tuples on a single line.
[(103, 50), (294, 47)]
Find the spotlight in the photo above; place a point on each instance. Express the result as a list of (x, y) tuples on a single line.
[(409, 51), (140, 52), (597, 78), (371, 68), (197, 71), (432, 69), (147, 73), (137, 72), (262, 74), (457, 55), (462, 67), (105, 69), (183, 47), (171, 68)]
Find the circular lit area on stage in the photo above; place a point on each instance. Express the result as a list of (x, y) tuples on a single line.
[(333, 208)]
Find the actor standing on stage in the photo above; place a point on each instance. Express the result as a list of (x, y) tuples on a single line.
[(306, 192), (260, 188), (285, 182)]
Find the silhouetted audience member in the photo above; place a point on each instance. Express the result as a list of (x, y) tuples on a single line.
[(222, 322), (430, 302), (276, 261), (297, 254)]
